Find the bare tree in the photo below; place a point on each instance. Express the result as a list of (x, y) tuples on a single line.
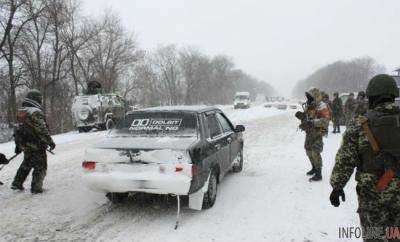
[(166, 62), (27, 11), (341, 76)]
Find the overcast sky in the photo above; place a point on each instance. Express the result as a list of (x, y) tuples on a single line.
[(278, 41)]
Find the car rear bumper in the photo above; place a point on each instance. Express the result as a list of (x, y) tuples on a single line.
[(149, 182)]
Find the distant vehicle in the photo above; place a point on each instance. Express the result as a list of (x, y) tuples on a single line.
[(166, 150), (242, 100), (99, 111), (281, 106), (293, 106), (268, 105)]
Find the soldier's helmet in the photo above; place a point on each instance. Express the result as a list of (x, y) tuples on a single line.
[(336, 94), (315, 93), (382, 85), (35, 95)]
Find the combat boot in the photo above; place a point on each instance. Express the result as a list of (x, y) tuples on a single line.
[(36, 191), (311, 172), (17, 187), (317, 176)]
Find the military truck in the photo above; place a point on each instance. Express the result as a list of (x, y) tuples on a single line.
[(100, 111), (96, 110)]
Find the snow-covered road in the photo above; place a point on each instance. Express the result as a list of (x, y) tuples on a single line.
[(271, 200)]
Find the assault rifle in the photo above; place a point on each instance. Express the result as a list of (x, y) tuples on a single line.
[(304, 116)]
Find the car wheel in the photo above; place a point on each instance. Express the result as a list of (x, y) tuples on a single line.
[(211, 195), (238, 167), (109, 124), (84, 129), (117, 197)]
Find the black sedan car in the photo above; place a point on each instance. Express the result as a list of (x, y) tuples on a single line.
[(180, 150)]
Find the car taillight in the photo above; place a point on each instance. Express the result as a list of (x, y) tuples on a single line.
[(89, 165), (178, 168), (194, 170)]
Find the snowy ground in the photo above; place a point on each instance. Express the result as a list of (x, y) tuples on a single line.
[(271, 200)]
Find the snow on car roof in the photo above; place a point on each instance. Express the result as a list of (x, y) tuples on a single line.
[(198, 109), (243, 93)]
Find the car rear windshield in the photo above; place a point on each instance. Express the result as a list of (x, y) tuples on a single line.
[(158, 124)]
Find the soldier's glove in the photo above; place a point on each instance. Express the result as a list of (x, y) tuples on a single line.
[(3, 159), (52, 146), (299, 115), (335, 195)]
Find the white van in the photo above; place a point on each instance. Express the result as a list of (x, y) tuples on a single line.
[(242, 100)]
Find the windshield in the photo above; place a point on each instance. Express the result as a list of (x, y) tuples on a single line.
[(158, 124), (242, 97), (85, 100)]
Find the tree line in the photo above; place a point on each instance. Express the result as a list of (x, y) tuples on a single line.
[(51, 46), (341, 76)]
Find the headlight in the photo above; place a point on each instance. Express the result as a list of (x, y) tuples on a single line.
[(83, 114)]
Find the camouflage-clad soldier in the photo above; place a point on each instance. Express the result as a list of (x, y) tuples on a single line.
[(32, 137), (379, 205), (349, 108), (337, 112), (361, 104), (327, 101), (314, 121)]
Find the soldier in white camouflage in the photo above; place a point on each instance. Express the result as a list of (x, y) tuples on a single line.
[(32, 137), (371, 145)]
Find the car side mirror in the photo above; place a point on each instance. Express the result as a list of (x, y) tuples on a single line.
[(239, 128)]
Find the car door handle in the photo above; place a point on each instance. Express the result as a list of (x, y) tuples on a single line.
[(229, 140), (217, 146)]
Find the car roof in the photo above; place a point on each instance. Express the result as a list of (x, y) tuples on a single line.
[(195, 109)]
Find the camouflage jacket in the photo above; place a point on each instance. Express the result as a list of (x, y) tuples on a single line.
[(337, 107), (350, 106), (348, 158), (32, 133), (361, 107), (320, 116)]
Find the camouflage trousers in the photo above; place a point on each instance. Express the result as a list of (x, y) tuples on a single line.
[(336, 123), (36, 161), (315, 158), (379, 212), (314, 146)]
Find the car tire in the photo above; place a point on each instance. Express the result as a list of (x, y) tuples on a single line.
[(117, 198), (211, 194), (239, 167), (109, 124), (84, 129)]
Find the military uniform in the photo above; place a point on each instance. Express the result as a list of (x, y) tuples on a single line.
[(377, 208), (349, 109), (337, 113), (361, 105), (319, 116), (32, 137)]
